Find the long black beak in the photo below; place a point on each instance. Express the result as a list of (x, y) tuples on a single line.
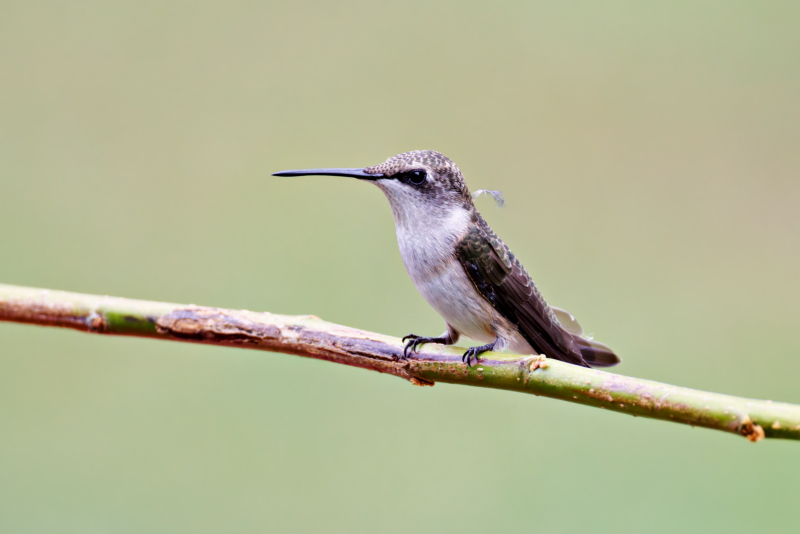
[(352, 173)]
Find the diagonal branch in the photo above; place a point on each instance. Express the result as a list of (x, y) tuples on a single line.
[(312, 337)]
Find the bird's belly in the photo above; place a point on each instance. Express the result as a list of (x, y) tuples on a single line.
[(455, 298), (452, 294)]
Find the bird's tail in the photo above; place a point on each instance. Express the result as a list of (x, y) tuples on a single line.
[(593, 352)]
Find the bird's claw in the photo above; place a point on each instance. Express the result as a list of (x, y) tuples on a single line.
[(414, 341), (475, 352), (471, 352)]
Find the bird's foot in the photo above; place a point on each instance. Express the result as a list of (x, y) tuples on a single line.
[(415, 341), (475, 352)]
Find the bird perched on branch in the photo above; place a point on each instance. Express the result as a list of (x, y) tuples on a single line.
[(464, 270)]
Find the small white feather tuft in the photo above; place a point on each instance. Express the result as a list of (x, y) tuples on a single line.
[(497, 195)]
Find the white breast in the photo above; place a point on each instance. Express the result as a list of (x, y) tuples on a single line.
[(428, 251)]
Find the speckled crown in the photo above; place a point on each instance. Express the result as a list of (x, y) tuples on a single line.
[(428, 159)]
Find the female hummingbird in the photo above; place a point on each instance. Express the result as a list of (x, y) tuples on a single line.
[(464, 270)]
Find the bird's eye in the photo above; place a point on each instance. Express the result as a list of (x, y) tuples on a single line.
[(417, 177)]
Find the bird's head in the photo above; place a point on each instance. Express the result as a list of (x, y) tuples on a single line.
[(422, 182)]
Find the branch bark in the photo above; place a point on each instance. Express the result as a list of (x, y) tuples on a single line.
[(312, 337)]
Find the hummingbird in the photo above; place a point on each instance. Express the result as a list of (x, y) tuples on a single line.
[(463, 270)]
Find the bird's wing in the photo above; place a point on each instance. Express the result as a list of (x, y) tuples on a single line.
[(503, 281)]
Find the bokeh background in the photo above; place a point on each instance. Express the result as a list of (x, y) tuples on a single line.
[(649, 156)]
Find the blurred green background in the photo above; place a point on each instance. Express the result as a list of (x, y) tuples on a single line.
[(649, 157)]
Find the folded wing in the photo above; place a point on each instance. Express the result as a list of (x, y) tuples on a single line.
[(503, 281)]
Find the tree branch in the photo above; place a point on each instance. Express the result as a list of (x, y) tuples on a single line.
[(312, 337)]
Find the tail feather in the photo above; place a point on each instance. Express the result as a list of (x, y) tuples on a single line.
[(595, 353)]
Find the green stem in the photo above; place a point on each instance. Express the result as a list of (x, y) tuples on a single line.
[(312, 337)]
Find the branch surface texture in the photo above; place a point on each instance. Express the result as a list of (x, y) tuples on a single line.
[(309, 336)]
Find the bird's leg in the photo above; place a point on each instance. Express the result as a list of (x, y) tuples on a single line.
[(415, 341), (474, 352)]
